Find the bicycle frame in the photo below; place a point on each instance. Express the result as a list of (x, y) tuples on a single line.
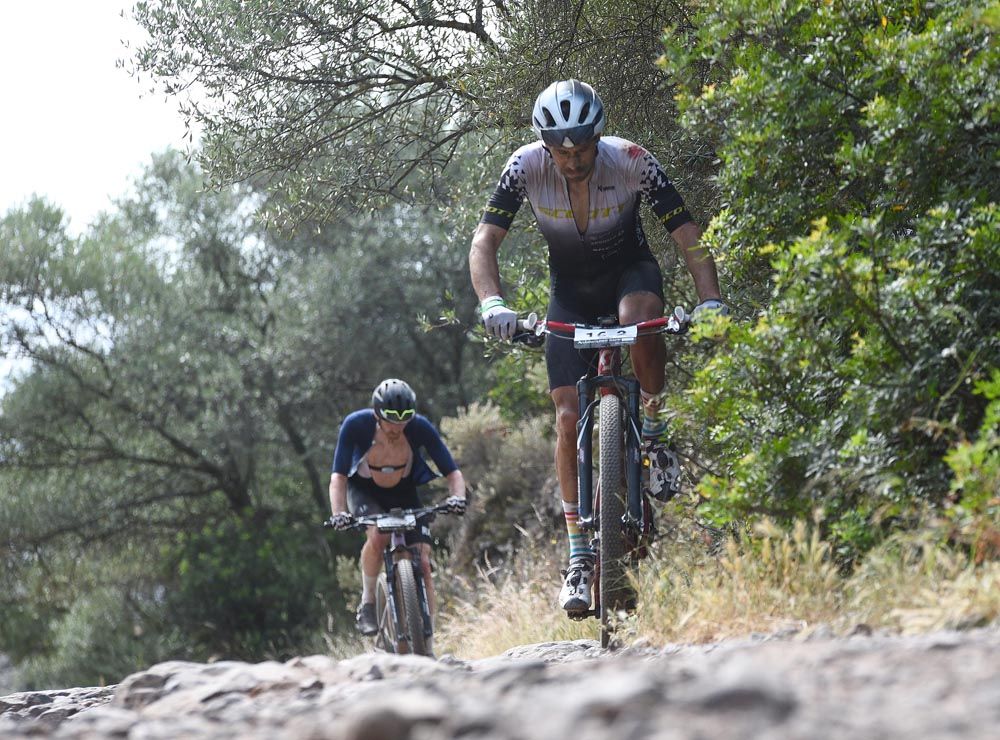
[(396, 523), (608, 337)]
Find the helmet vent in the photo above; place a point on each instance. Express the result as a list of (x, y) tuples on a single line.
[(550, 121), (584, 112), (564, 106)]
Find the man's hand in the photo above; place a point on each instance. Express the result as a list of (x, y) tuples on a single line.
[(709, 308), (455, 505), (499, 320), (341, 521)]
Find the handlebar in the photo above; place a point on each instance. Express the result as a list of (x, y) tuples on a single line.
[(532, 331), (395, 520)]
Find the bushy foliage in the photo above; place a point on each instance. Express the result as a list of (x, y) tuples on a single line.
[(247, 589), (185, 372), (974, 501), (510, 473), (860, 228)]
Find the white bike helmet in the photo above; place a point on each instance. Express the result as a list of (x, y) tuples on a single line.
[(567, 113)]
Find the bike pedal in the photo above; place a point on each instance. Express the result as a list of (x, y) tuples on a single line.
[(578, 615)]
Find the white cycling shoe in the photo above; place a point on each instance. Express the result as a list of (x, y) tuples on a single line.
[(579, 580)]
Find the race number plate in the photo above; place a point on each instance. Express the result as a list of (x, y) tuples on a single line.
[(612, 336), (389, 523)]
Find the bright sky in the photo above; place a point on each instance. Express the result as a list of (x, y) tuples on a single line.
[(74, 127)]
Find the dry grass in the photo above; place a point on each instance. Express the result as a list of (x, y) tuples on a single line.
[(506, 607), (911, 584), (766, 582)]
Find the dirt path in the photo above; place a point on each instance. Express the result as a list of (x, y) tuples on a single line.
[(941, 685)]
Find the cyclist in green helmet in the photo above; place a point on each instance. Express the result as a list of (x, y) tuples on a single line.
[(378, 466)]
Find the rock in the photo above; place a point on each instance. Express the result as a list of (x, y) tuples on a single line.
[(791, 684)]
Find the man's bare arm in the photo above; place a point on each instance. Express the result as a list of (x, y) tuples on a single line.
[(699, 261), (338, 492), (484, 267)]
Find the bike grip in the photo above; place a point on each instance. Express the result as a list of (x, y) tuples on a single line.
[(529, 323)]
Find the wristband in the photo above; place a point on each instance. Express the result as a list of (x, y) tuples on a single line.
[(491, 302)]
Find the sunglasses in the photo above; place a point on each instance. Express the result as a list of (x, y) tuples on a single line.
[(576, 136), (397, 416)]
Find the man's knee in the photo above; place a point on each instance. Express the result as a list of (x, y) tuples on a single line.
[(639, 306), (375, 539), (566, 418)]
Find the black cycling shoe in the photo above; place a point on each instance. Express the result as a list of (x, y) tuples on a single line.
[(366, 621)]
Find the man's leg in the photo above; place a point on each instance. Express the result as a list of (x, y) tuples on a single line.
[(371, 566), (649, 354), (575, 595), (425, 566), (649, 358)]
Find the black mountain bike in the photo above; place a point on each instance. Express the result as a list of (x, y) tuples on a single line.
[(617, 514), (404, 617)]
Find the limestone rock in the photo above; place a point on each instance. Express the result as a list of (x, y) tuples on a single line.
[(791, 684)]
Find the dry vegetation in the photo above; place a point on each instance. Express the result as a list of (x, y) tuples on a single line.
[(768, 582), (697, 586)]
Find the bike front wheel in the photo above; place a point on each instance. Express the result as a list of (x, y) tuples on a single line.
[(616, 593), (410, 614)]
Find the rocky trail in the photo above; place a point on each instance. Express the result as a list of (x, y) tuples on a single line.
[(938, 685)]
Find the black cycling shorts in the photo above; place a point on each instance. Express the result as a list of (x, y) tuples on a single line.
[(365, 497), (579, 301)]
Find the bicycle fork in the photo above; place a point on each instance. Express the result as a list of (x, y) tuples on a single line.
[(587, 388), (396, 546)]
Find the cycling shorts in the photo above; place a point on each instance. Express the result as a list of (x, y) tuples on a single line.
[(577, 301), (365, 497)]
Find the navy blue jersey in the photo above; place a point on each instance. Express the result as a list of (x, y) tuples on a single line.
[(358, 432)]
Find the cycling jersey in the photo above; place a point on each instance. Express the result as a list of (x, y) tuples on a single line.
[(623, 173), (357, 434)]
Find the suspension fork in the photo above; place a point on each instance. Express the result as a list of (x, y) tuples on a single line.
[(397, 550), (633, 454), (585, 388)]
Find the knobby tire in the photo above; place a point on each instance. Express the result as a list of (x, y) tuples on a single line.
[(615, 590), (411, 615)]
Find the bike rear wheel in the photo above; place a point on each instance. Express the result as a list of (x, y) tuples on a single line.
[(616, 593), (411, 617)]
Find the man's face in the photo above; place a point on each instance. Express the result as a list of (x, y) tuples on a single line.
[(576, 164), (392, 429)]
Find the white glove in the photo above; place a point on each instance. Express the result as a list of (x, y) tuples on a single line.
[(499, 320), (455, 505), (341, 520), (710, 307)]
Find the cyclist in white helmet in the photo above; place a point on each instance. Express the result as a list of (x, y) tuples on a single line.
[(584, 189)]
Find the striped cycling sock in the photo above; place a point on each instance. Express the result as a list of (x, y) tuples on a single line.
[(579, 545), (653, 425)]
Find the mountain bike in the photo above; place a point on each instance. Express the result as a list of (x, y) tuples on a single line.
[(618, 513), (404, 617)]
